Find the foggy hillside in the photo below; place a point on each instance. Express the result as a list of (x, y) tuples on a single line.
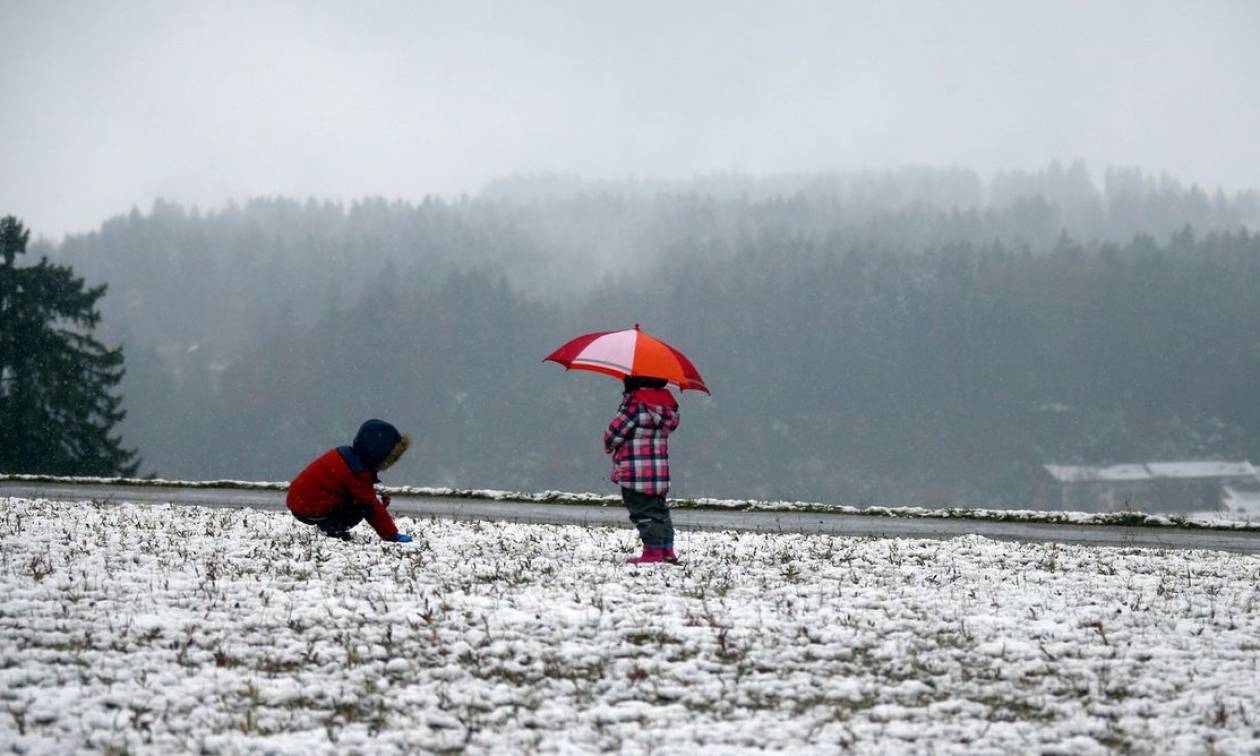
[(913, 336)]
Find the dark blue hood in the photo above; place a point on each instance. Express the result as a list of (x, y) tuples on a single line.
[(374, 441)]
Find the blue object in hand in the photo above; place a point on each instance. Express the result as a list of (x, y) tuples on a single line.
[(402, 538)]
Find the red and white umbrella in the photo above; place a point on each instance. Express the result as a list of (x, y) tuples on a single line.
[(629, 353)]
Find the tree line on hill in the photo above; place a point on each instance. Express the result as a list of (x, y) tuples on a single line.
[(867, 340)]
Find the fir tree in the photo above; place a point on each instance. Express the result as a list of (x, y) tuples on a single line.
[(57, 409)]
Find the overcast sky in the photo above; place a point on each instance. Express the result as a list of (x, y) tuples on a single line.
[(108, 105)]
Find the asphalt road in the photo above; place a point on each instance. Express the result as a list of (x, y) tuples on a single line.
[(858, 526)]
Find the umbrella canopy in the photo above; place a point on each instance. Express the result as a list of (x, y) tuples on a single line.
[(626, 353)]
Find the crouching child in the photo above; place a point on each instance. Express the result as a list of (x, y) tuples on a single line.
[(337, 491)]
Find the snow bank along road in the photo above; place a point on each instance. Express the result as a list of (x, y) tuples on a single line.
[(155, 629), (823, 523)]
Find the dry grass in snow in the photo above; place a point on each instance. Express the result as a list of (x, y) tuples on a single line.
[(159, 629)]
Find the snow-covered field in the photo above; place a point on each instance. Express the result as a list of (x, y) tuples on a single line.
[(160, 629)]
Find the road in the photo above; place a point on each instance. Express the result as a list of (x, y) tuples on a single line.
[(859, 526)]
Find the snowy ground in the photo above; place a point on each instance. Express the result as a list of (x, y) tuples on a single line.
[(159, 629)]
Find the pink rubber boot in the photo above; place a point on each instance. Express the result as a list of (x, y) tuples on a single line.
[(650, 555)]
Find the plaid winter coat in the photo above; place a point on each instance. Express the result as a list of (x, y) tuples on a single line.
[(638, 440)]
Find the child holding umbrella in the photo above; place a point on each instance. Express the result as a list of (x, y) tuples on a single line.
[(638, 440), (638, 437)]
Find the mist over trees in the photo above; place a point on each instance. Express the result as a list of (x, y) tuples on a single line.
[(911, 337)]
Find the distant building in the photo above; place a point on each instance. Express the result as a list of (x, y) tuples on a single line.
[(1147, 487)]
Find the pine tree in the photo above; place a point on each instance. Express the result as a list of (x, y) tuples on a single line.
[(57, 410)]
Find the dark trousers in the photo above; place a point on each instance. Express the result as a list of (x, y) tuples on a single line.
[(338, 520), (651, 516)]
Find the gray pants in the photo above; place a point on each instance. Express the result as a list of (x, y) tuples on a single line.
[(651, 516)]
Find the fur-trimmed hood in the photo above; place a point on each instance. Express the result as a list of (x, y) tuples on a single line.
[(378, 444)]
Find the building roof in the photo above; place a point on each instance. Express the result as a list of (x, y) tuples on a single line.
[(1190, 469), (1082, 473), (1202, 469)]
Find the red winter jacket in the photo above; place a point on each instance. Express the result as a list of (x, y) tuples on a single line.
[(328, 483)]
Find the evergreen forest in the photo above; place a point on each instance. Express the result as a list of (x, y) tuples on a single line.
[(912, 337)]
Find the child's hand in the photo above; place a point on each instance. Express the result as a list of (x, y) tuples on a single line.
[(385, 500), (402, 538)]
